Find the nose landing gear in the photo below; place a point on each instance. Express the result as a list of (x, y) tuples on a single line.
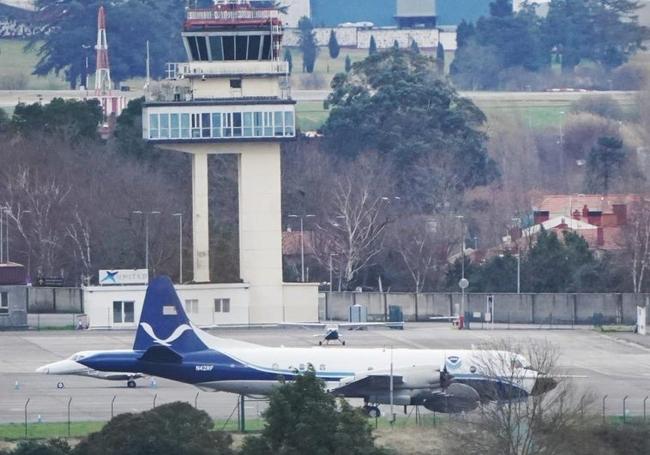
[(131, 384)]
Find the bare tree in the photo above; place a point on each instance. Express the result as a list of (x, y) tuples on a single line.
[(357, 219), (636, 243), (423, 245), (516, 423)]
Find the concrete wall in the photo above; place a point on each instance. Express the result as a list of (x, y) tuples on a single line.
[(16, 316), (539, 309), (55, 300), (385, 38), (300, 302)]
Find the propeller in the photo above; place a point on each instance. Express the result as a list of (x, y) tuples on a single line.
[(446, 378)]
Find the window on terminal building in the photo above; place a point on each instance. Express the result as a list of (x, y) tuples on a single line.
[(4, 303), (123, 312), (222, 305), (192, 306), (235, 83)]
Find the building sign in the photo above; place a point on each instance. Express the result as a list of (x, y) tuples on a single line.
[(50, 282), (123, 276)]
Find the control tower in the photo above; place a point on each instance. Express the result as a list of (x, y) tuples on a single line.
[(232, 97)]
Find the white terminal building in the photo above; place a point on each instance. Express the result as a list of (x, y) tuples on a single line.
[(232, 96)]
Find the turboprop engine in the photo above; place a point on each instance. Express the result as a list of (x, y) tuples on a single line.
[(455, 398)]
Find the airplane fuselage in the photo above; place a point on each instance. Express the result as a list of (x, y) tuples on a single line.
[(257, 370)]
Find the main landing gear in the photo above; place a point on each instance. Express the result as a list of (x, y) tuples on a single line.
[(131, 384), (371, 411)]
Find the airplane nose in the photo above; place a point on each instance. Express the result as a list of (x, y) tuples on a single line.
[(44, 369), (543, 384)]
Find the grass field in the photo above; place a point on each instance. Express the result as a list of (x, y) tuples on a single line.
[(18, 64), (50, 430)]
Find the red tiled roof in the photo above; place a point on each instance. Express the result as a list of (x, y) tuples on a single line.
[(565, 204)]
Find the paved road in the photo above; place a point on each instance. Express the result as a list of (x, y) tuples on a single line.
[(614, 367)]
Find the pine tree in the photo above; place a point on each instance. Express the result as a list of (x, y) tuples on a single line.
[(307, 43), (348, 64), (333, 45), (440, 58), (414, 47), (373, 46), (288, 58), (395, 45)]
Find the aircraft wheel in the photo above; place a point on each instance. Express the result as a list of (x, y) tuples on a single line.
[(60, 385), (343, 343), (131, 384), (373, 412), (320, 343)]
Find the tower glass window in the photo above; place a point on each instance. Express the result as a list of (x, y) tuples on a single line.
[(229, 48), (205, 125), (185, 126), (216, 47), (242, 47), (216, 125), (175, 131)]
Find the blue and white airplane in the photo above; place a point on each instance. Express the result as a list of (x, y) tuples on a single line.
[(168, 345)]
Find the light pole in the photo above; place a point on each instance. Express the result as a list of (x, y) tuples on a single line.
[(180, 246), (146, 233), (518, 225), (463, 281), (85, 47), (331, 269), (2, 241), (302, 243)]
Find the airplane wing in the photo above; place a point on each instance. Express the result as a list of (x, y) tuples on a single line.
[(371, 324), (320, 325), (371, 382)]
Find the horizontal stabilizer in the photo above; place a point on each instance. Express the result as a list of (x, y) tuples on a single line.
[(161, 354)]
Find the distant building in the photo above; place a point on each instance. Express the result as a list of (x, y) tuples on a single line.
[(416, 13), (600, 219)]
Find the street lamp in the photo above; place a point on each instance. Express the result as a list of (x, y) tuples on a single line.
[(146, 233), (180, 246), (302, 243), (518, 225), (463, 281), (331, 268)]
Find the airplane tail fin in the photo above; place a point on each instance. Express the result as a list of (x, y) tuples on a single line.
[(163, 321)]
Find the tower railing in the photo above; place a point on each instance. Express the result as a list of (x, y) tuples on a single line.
[(207, 14), (222, 68)]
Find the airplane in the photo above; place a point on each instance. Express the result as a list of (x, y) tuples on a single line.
[(72, 367), (169, 346), (333, 329)]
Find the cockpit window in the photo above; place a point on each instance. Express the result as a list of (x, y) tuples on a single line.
[(77, 357)]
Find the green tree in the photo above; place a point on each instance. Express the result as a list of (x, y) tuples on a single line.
[(70, 120), (170, 429), (545, 268), (372, 48), (605, 31), (440, 58), (378, 105), (289, 59), (130, 23), (333, 45), (501, 41), (303, 418), (395, 44), (603, 163), (128, 133), (348, 63), (464, 32), (53, 447), (307, 44), (414, 47)]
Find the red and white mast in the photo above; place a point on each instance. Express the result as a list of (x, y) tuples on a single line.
[(102, 73)]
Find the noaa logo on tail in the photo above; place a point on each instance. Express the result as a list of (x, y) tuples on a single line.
[(453, 362), (170, 339)]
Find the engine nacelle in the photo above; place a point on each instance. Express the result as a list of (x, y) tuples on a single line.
[(457, 398)]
